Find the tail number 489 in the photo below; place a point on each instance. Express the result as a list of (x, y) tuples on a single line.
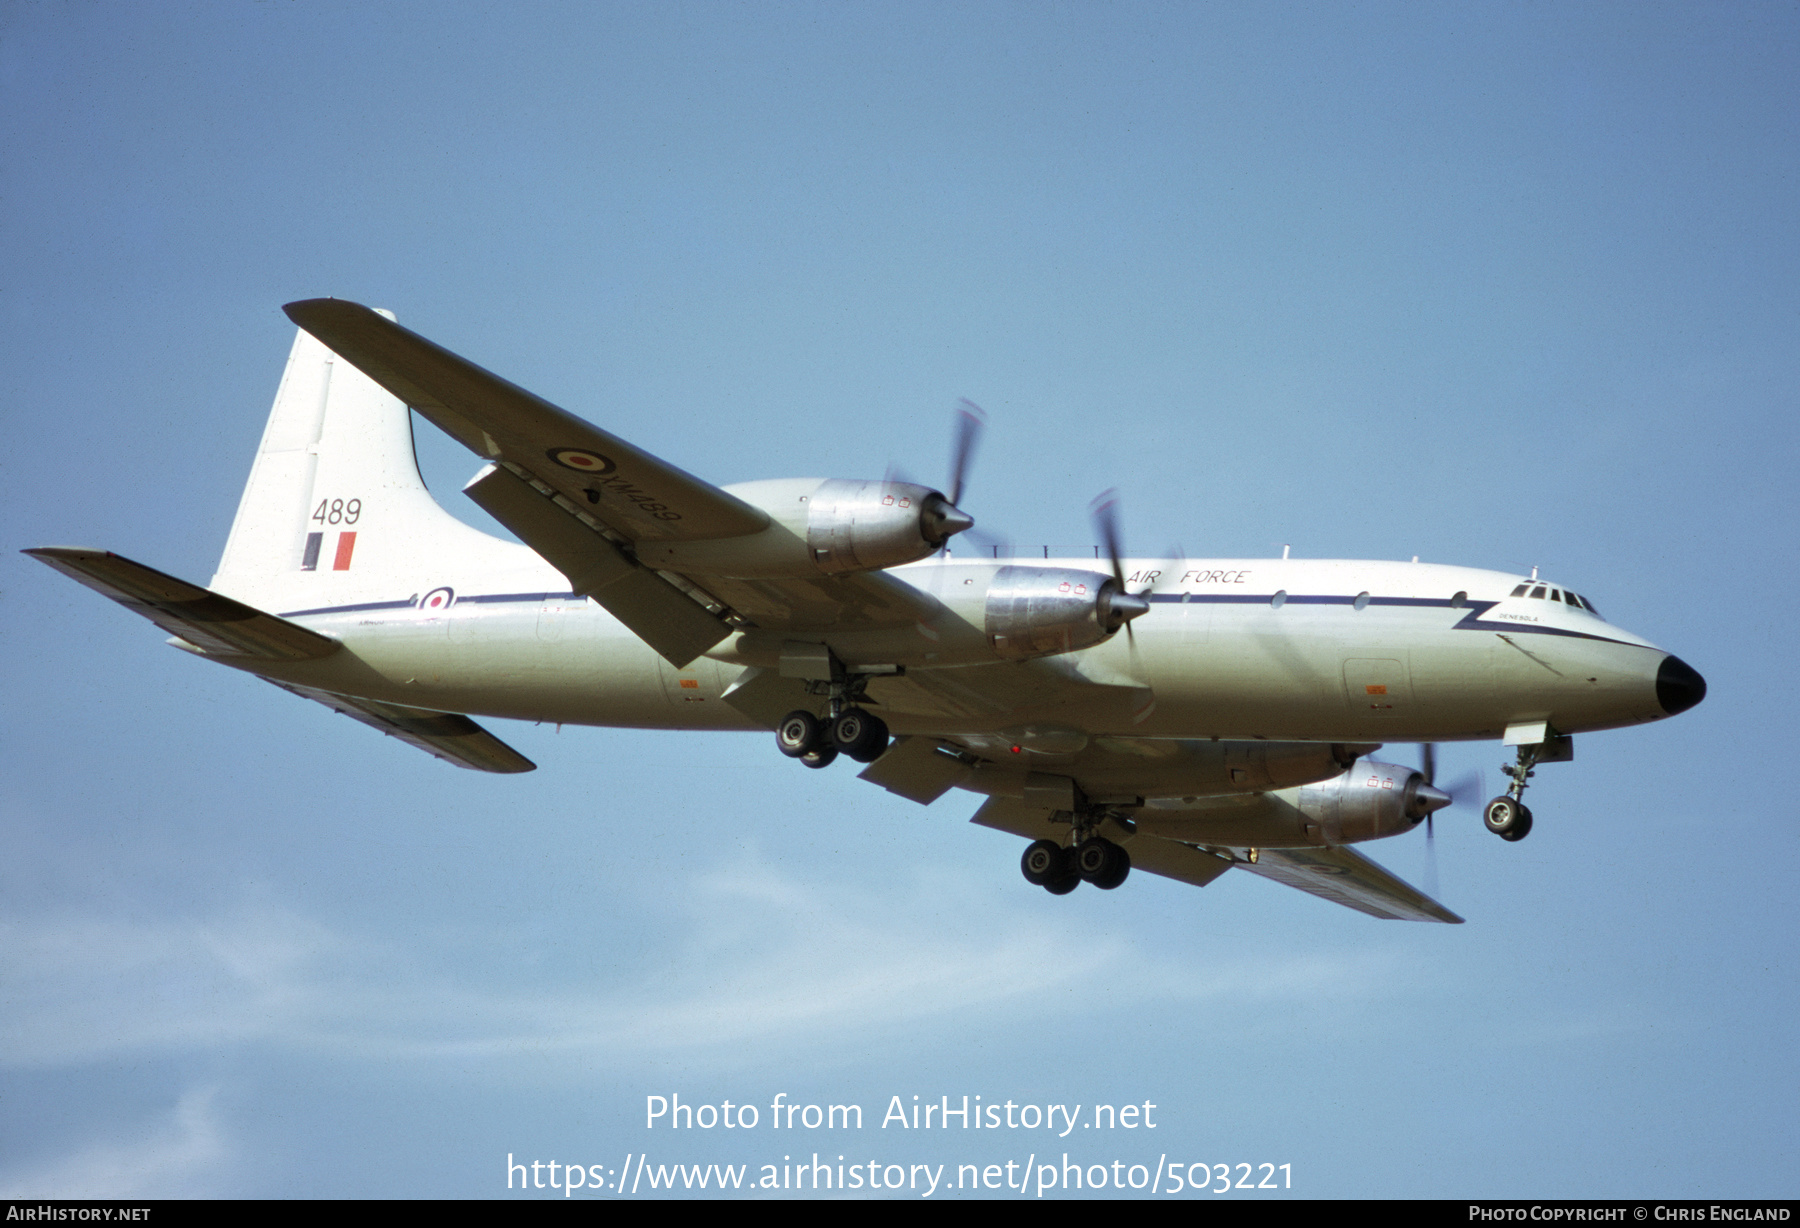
[(337, 511)]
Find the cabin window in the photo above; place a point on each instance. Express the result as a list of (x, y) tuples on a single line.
[(1362, 601), (1278, 600)]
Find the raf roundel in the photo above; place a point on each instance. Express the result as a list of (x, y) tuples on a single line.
[(581, 460), (437, 600)]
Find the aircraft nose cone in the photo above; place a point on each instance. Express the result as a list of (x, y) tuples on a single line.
[(1679, 686)]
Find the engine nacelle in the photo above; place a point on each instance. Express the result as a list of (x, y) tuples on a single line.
[(1370, 800), (832, 526), (863, 526), (1038, 611)]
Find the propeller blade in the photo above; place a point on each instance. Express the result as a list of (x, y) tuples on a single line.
[(1105, 511), (1466, 790), (970, 419), (1428, 762), (1431, 866)]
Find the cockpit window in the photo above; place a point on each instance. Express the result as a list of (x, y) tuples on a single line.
[(1520, 591), (1556, 594), (1590, 608), (1538, 591)]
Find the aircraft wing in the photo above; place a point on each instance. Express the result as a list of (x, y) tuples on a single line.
[(584, 499), (452, 738), (1335, 873), (1169, 858), (215, 624), (1344, 876), (637, 495)]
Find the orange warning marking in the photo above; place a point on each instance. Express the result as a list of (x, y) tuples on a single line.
[(1373, 688)]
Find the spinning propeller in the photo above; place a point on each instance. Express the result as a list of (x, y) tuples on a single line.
[(1467, 787), (949, 517), (1126, 605)]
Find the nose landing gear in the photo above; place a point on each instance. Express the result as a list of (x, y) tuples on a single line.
[(1507, 816)]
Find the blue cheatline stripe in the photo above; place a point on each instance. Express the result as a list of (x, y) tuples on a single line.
[(1305, 599), (485, 598), (1472, 621), (500, 597), (351, 609)]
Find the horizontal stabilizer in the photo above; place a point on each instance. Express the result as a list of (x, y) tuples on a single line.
[(215, 624), (454, 739), (1346, 877)]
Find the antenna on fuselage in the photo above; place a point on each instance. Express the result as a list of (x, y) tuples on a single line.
[(1534, 571), (1284, 549)]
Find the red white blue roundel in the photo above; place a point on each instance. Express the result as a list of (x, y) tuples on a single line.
[(437, 600), (581, 460)]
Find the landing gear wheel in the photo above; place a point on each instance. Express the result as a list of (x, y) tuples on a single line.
[(1522, 828), (819, 758), (1102, 863), (1506, 816), (798, 733), (860, 735), (1044, 862), (1062, 886), (1120, 870)]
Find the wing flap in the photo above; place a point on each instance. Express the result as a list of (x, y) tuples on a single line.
[(213, 623), (452, 738), (639, 495), (916, 769), (656, 611), (1182, 862), (1346, 877)]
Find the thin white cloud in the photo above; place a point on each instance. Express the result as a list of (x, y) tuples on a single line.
[(176, 1155), (764, 962)]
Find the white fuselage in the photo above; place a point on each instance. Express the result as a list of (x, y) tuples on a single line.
[(1354, 651)]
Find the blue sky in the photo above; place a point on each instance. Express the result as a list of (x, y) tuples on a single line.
[(1504, 285)]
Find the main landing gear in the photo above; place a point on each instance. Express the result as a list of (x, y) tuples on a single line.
[(1507, 816), (855, 732), (846, 729), (1092, 858)]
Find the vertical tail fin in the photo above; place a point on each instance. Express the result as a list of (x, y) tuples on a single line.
[(335, 504)]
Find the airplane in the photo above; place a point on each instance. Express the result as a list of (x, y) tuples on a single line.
[(1184, 717)]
